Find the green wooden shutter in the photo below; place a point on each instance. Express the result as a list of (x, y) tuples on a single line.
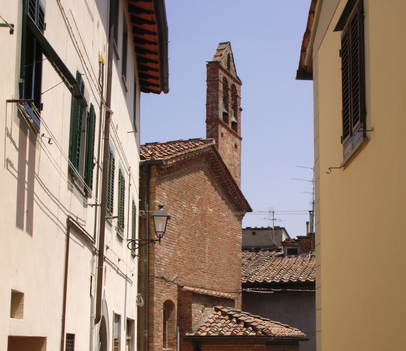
[(110, 184), (121, 200), (76, 129), (91, 121), (133, 224)]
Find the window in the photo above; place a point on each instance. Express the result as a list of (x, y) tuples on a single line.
[(33, 46), (291, 251), (225, 100), (353, 81), (31, 52), (114, 23), (234, 122), (116, 332), (121, 201), (82, 141), (70, 342), (31, 61), (129, 346), (110, 184), (133, 225), (17, 305), (169, 327)]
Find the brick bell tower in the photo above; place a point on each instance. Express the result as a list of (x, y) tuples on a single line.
[(223, 108)]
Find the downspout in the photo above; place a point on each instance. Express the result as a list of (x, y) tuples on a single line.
[(146, 260), (70, 222), (102, 226), (96, 189), (65, 283)]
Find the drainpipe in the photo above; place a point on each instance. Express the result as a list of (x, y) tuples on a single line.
[(96, 188), (102, 226), (65, 283), (146, 260), (70, 223)]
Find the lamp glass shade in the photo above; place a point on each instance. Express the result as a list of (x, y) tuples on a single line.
[(160, 218)]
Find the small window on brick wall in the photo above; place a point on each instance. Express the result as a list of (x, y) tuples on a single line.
[(169, 327), (225, 101), (292, 251)]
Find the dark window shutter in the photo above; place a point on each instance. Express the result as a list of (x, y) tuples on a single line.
[(110, 184), (121, 200), (91, 121), (76, 129), (358, 69), (353, 81), (133, 224), (345, 70)]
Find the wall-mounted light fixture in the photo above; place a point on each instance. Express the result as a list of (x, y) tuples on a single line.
[(160, 218)]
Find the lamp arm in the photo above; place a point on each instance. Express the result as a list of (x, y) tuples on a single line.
[(140, 243)]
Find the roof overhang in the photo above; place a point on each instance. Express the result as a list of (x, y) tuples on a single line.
[(305, 70), (149, 30), (248, 338)]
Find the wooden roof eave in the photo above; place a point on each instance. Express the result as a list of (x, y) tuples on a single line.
[(149, 30), (305, 69)]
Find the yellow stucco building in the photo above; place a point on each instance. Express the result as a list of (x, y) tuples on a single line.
[(354, 51)]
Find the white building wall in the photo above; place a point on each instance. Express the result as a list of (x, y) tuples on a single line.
[(38, 194)]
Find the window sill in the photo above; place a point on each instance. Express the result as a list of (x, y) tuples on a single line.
[(354, 153), (78, 184), (120, 234)]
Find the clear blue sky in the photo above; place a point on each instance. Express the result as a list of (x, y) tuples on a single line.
[(277, 116)]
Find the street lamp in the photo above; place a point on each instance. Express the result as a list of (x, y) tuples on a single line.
[(160, 218)]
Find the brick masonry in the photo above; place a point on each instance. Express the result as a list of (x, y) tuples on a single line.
[(224, 87), (201, 249), (202, 246)]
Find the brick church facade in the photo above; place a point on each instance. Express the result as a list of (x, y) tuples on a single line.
[(197, 265)]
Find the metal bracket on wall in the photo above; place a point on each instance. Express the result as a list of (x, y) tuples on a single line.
[(7, 25), (331, 168)]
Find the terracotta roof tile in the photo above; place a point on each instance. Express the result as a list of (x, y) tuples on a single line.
[(208, 292), (151, 151), (269, 267), (224, 321)]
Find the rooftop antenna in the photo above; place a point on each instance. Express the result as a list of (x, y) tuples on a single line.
[(311, 212)]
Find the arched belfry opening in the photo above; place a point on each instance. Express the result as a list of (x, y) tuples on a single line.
[(223, 108)]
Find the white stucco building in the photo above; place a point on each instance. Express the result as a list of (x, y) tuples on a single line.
[(72, 76)]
